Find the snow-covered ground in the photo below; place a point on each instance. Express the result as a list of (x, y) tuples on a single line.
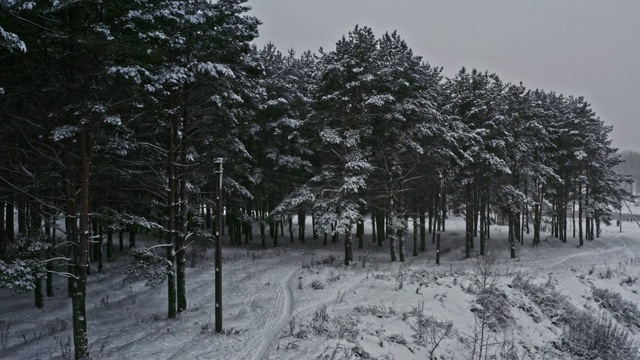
[(297, 302)]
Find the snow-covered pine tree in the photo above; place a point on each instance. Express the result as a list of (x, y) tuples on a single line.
[(344, 127), (281, 141), (189, 70)]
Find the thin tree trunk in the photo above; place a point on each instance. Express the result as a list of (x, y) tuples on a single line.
[(415, 235), (78, 300), (580, 213), (374, 238), (290, 221), (360, 234), (512, 238), (9, 222), (302, 217), (348, 247), (401, 249), (171, 220), (109, 243), (483, 226), (468, 221), (423, 239), (380, 224), (3, 234)]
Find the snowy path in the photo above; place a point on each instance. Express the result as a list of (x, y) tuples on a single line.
[(266, 330)]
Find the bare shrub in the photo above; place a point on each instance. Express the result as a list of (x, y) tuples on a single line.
[(629, 280), (320, 321), (317, 285), (607, 274), (430, 331), (379, 311)]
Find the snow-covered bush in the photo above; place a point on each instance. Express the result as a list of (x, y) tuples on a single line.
[(592, 337), (624, 311), (148, 266), (493, 306), (20, 276), (341, 327), (379, 311), (24, 264), (551, 303)]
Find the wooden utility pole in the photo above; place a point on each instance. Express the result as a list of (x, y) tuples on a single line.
[(439, 217), (218, 255)]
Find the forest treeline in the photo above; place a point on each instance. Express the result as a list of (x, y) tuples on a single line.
[(113, 112)]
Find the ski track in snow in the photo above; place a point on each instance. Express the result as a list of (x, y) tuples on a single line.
[(621, 244), (280, 313)]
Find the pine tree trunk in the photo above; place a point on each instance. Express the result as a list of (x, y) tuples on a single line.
[(78, 300), (580, 213), (476, 213), (9, 223), (3, 235), (537, 215), (415, 235), (132, 236), (380, 224), (512, 238), (109, 243), (431, 211), (374, 238), (290, 229), (263, 235), (468, 221), (573, 216), (302, 218), (436, 236), (443, 209), (37, 291), (275, 233), (401, 249), (392, 247), (313, 227), (179, 239), (171, 220), (99, 249), (483, 226), (423, 240), (51, 233), (360, 234), (21, 206), (348, 247)]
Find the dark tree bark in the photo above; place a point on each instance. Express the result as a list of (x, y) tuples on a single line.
[(348, 247), (423, 240), (3, 234), (172, 308), (415, 235), (360, 234), (78, 300), (302, 217), (468, 221), (9, 222), (483, 225), (380, 224)]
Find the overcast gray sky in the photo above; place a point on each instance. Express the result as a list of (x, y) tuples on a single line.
[(587, 48)]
